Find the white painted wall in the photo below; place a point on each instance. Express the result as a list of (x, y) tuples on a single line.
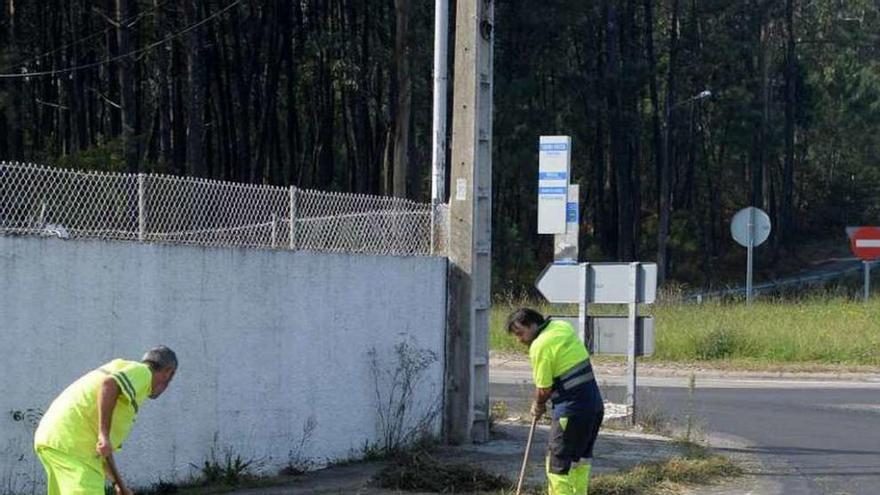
[(265, 339)]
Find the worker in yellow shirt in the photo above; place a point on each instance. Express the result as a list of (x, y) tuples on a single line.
[(563, 374), (92, 417)]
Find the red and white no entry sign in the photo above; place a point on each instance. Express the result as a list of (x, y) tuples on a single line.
[(865, 243)]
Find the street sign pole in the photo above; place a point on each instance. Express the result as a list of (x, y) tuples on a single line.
[(867, 280), (749, 256), (583, 306), (750, 227), (631, 345)]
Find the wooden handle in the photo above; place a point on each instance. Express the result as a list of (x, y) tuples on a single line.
[(114, 473), (522, 471)]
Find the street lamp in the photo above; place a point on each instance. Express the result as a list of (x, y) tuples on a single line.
[(665, 207)]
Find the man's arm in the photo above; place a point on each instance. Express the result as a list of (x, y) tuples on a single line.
[(539, 405), (107, 396)]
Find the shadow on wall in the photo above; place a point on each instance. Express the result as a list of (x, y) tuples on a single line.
[(24, 474)]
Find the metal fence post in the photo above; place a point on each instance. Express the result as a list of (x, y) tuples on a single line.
[(433, 228), (292, 213), (633, 323), (142, 204)]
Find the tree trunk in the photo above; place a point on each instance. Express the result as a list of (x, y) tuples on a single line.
[(196, 78), (760, 104), (293, 38), (113, 78), (786, 217), (665, 206), (163, 86), (657, 134), (126, 9), (617, 33), (403, 107)]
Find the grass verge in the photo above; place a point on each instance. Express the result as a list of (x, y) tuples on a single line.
[(812, 331), (661, 477)]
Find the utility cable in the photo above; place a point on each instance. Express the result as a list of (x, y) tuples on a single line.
[(24, 75), (128, 22)]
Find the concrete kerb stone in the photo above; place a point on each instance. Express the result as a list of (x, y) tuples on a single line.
[(514, 363)]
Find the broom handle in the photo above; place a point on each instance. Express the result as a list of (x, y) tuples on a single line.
[(114, 473), (522, 471)]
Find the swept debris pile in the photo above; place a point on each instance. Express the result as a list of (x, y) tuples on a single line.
[(419, 471)]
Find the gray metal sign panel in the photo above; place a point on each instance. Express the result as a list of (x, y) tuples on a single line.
[(609, 283), (754, 219), (609, 334), (561, 283)]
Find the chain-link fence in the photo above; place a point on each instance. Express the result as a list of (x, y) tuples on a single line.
[(145, 207)]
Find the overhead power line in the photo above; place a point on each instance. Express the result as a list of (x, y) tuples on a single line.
[(65, 70), (128, 22)]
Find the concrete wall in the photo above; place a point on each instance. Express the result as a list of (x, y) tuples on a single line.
[(268, 342)]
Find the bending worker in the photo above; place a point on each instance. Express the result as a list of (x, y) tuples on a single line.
[(92, 417), (563, 374)]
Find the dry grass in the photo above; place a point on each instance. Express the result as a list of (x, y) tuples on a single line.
[(656, 477), (420, 471)]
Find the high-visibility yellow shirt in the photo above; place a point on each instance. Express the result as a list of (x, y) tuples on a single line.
[(554, 351), (71, 423)]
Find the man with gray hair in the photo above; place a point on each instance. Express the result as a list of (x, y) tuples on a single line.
[(93, 416)]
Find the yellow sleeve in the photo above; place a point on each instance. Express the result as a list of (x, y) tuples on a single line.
[(134, 380)]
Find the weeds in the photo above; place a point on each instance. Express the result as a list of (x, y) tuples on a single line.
[(395, 388), (498, 411), (653, 477), (297, 463), (160, 488), (231, 470)]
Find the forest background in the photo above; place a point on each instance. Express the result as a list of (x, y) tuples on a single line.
[(336, 95)]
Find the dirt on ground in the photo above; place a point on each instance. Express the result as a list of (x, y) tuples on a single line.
[(499, 458)]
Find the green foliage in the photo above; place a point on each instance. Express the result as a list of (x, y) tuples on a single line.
[(324, 118), (230, 470), (106, 158)]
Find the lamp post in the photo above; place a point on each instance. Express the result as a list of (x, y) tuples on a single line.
[(665, 207)]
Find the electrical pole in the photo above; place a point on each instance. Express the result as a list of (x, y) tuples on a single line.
[(466, 415)]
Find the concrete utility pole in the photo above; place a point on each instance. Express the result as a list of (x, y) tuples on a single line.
[(466, 415)]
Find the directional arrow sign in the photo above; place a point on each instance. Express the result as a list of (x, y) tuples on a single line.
[(561, 283), (603, 283)]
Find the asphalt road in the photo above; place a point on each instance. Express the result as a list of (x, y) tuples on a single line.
[(810, 437)]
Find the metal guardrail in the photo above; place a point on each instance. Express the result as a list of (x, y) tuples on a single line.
[(699, 296)]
